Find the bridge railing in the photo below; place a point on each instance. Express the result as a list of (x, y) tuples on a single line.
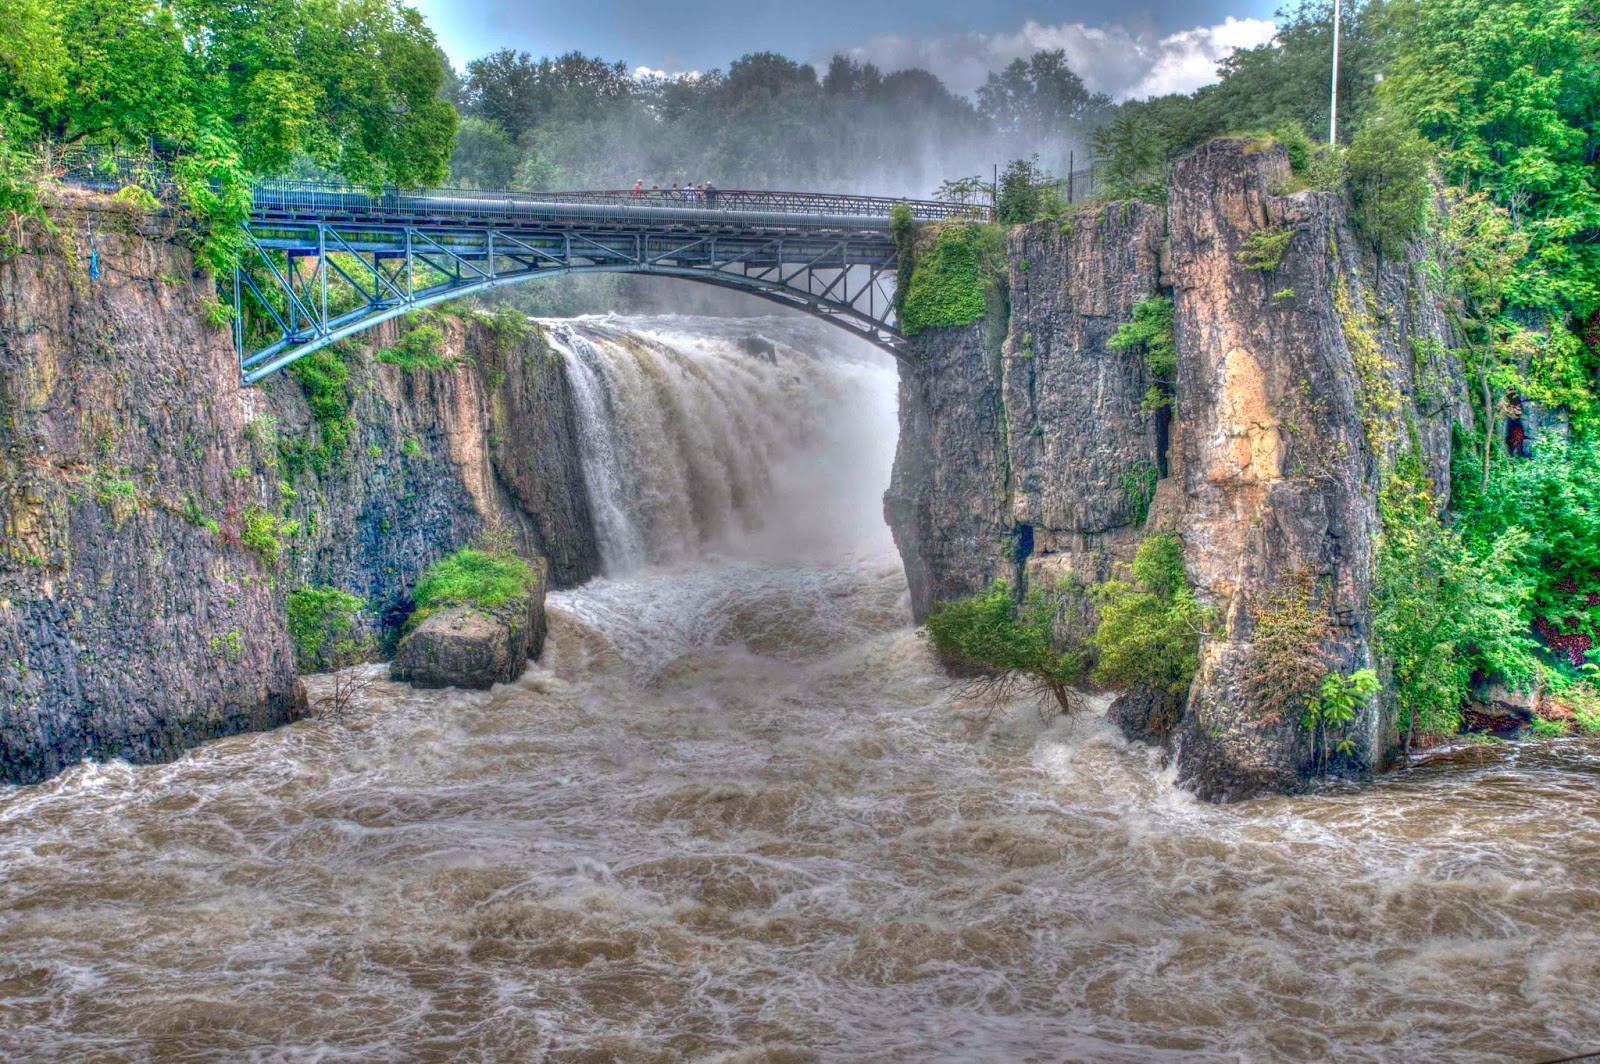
[(100, 170)]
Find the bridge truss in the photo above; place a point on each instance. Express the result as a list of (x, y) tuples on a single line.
[(323, 265)]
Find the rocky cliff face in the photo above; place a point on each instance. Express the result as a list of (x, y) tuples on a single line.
[(141, 610), (1303, 366), (946, 504)]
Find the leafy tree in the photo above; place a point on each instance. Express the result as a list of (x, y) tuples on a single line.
[(1553, 500), (351, 84), (1013, 642), (1388, 171), (1333, 706), (1509, 93), (483, 155), (1039, 96), (1020, 196), (1444, 606), (1150, 626)]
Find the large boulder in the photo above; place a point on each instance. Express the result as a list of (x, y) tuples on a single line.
[(472, 646)]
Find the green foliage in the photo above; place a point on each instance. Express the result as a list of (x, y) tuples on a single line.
[(1150, 627), (1549, 729), (216, 187), (483, 156), (949, 277), (1510, 94), (353, 84), (419, 349), (1444, 605), (1019, 198), (321, 625), (1388, 172), (996, 633), (1552, 500), (1332, 708), (1289, 632), (1133, 152), (1139, 487), (326, 381), (262, 534), (1151, 332), (137, 198), (472, 578), (1263, 248), (903, 231)]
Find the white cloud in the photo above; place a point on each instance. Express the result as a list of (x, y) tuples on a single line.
[(644, 73), (1125, 59)]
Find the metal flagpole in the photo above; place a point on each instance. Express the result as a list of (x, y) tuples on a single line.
[(1333, 105)]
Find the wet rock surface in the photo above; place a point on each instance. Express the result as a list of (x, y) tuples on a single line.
[(139, 615), (1299, 376)]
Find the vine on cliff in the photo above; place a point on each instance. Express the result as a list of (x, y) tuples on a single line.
[(951, 277)]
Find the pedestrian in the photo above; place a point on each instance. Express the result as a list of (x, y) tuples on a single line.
[(638, 188), (711, 194)]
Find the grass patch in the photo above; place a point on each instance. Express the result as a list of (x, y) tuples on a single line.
[(472, 578)]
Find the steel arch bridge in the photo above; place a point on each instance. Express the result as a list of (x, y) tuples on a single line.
[(323, 263)]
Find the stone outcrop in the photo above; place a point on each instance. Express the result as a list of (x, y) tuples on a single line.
[(1301, 373), (946, 503), (471, 646), (143, 495)]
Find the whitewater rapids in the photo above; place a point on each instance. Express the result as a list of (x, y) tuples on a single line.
[(737, 814)]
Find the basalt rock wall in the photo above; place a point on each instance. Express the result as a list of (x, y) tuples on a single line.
[(1301, 374), (138, 615)]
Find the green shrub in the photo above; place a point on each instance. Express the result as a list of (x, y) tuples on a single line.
[(1019, 200), (1553, 499), (326, 381), (418, 349), (321, 626), (472, 578), (903, 231), (1443, 606), (949, 279), (137, 198), (1263, 249), (1332, 708), (1287, 653), (1013, 642), (1151, 332), (262, 535), (1388, 166), (1150, 627)]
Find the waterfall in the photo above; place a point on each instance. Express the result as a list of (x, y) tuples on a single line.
[(766, 439)]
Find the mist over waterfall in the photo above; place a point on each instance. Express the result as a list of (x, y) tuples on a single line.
[(765, 439)]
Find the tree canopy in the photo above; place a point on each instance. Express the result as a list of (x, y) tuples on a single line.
[(351, 85)]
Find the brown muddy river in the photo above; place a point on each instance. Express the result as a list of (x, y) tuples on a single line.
[(738, 815)]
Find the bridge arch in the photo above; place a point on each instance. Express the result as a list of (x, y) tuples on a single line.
[(323, 265)]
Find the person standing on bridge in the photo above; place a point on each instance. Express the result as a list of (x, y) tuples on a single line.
[(710, 194), (638, 188)]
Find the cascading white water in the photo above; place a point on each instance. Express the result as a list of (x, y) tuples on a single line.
[(765, 439), (738, 815)]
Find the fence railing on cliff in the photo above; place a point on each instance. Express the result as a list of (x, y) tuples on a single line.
[(108, 172)]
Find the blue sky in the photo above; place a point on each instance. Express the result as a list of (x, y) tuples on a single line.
[(1121, 48)]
